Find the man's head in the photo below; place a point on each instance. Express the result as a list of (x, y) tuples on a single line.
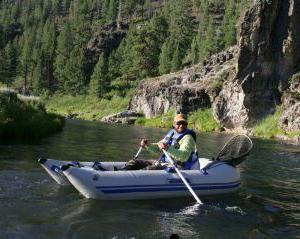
[(180, 123)]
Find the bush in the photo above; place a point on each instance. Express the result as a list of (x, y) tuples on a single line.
[(27, 120)]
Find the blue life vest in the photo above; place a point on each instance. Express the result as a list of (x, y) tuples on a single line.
[(172, 139)]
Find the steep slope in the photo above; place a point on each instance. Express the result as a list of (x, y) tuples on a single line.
[(244, 84)]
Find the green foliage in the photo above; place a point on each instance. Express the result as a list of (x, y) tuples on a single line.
[(99, 83), (65, 44), (86, 107), (25, 119), (162, 121), (165, 58), (46, 42), (203, 121), (269, 128)]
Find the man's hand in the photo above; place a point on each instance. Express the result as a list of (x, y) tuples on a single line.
[(161, 145), (144, 143)]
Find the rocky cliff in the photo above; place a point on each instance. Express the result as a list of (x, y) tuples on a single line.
[(187, 90), (243, 84)]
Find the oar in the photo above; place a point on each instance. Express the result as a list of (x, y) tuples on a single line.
[(138, 152), (182, 178)]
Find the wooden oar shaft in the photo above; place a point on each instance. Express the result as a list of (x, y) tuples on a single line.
[(182, 177)]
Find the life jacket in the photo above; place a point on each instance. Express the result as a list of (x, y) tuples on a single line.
[(172, 139)]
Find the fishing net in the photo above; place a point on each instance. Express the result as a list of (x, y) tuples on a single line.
[(235, 149)]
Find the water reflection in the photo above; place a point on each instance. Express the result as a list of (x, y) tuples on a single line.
[(267, 206)]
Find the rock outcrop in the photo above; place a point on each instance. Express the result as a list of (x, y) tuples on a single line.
[(268, 56), (106, 40), (290, 118), (187, 90), (244, 84)]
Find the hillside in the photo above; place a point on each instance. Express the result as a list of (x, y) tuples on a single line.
[(239, 59)]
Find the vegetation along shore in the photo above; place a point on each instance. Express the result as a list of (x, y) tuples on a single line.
[(231, 65), (24, 119)]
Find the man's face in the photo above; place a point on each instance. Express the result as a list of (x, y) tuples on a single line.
[(180, 126)]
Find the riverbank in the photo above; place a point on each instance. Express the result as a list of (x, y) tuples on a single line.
[(85, 107), (204, 121), (91, 108), (24, 119)]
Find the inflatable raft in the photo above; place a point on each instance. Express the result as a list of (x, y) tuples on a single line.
[(219, 178), (107, 180)]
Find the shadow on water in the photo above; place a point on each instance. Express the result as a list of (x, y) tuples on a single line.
[(266, 206)]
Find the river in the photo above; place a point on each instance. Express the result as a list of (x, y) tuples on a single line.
[(34, 206)]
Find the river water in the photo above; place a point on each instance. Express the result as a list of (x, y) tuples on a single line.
[(32, 205)]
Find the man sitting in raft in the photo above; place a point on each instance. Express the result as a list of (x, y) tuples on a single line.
[(180, 143)]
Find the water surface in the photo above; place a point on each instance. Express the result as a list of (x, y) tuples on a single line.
[(34, 206)]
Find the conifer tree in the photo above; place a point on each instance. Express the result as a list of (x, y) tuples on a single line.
[(38, 77), (26, 60), (48, 51), (165, 58), (76, 78), (229, 22), (10, 53), (176, 61), (99, 82), (65, 45), (4, 68)]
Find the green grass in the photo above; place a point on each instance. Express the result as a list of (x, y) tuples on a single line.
[(86, 107), (201, 120), (162, 121), (268, 127)]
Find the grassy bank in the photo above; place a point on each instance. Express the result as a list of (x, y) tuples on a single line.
[(201, 120), (204, 121), (85, 107), (268, 127), (91, 108), (25, 118)]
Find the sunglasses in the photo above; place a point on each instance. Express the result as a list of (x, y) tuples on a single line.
[(181, 123)]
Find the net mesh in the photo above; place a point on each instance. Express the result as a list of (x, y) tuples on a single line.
[(236, 148)]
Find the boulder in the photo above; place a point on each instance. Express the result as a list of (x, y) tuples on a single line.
[(125, 117)]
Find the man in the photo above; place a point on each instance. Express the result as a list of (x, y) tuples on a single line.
[(180, 144)]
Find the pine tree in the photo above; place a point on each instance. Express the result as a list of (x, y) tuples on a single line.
[(10, 53), (176, 61), (181, 34), (114, 63), (65, 45), (165, 58), (26, 60), (38, 77), (76, 77), (194, 56), (99, 82), (4, 68), (229, 22), (48, 51)]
